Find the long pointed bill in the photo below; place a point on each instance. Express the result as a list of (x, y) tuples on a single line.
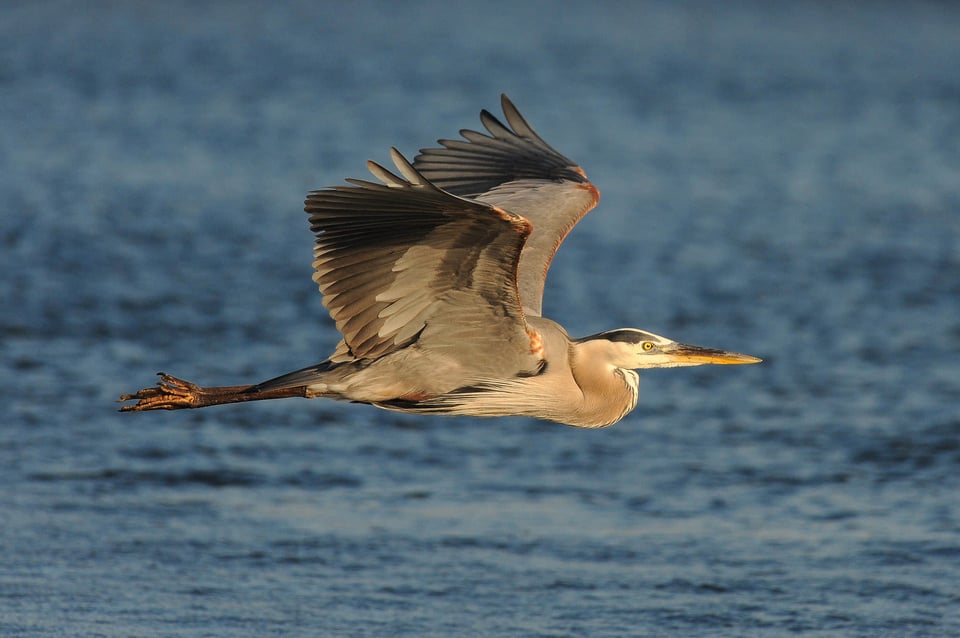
[(684, 354)]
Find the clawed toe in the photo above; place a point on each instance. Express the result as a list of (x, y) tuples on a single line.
[(170, 393)]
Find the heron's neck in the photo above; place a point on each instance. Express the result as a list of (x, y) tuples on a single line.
[(609, 392)]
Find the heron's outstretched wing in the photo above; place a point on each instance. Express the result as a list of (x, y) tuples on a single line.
[(404, 262), (513, 168)]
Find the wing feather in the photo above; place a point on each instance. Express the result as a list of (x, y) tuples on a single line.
[(515, 169), (404, 261)]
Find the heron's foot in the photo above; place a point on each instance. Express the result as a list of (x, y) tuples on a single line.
[(170, 393)]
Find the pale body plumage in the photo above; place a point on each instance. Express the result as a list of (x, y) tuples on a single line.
[(435, 277), (577, 385)]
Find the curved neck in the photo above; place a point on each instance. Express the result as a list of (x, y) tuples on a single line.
[(609, 392)]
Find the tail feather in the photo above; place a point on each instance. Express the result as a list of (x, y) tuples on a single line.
[(303, 377)]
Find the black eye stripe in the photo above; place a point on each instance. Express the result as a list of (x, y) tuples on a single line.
[(622, 335)]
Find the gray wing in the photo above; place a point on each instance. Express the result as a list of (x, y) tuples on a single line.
[(404, 263), (514, 169)]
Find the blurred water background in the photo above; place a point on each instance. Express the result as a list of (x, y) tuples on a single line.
[(781, 179)]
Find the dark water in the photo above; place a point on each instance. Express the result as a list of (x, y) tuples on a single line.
[(779, 180)]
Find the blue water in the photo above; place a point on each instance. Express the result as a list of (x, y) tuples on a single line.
[(778, 179)]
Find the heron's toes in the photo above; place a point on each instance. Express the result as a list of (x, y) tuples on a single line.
[(170, 393)]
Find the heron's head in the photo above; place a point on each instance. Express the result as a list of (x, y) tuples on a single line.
[(630, 348)]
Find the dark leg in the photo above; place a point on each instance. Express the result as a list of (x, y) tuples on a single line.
[(172, 393)]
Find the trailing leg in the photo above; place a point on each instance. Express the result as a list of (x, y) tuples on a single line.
[(172, 393)]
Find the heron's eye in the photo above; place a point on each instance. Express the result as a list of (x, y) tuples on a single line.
[(647, 346)]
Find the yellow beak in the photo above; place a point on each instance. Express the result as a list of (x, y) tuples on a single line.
[(683, 353)]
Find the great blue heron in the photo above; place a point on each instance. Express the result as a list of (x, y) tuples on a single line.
[(435, 279)]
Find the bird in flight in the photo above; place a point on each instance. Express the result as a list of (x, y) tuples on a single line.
[(434, 277)]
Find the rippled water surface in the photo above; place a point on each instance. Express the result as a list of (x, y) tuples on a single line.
[(780, 180)]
